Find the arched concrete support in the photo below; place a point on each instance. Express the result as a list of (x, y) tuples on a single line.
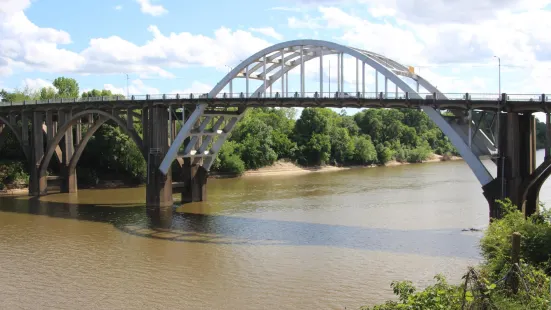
[(58, 153), (532, 187), (62, 131), (82, 145)]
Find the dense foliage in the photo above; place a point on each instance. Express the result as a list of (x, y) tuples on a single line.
[(322, 136), (488, 288)]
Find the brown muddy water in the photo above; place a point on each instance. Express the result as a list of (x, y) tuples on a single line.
[(314, 241)]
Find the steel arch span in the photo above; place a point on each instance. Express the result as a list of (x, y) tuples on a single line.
[(273, 64)]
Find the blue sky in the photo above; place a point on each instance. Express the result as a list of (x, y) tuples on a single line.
[(168, 46)]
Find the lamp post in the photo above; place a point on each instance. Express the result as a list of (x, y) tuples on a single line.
[(498, 112), (499, 73)]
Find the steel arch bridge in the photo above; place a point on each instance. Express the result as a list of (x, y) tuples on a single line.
[(273, 64), (208, 119)]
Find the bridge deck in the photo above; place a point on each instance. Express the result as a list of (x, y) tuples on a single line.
[(515, 103)]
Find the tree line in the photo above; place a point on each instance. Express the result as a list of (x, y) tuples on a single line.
[(319, 136)]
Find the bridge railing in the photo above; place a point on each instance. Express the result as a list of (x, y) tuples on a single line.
[(296, 95)]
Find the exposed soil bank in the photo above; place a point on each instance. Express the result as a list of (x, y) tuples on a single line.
[(288, 168)]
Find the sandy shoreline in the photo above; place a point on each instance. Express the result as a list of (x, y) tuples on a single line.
[(288, 168)]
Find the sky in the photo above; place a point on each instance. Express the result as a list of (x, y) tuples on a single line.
[(175, 46)]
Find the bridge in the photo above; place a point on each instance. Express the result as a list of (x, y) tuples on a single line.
[(186, 131)]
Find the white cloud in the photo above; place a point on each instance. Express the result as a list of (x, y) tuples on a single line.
[(152, 9), (196, 88), (25, 46), (113, 54), (8, 7), (268, 31), (136, 87), (118, 7), (35, 84)]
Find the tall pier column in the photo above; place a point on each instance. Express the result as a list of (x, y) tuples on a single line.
[(516, 163), (194, 175), (195, 180), (69, 184), (37, 183), (159, 186)]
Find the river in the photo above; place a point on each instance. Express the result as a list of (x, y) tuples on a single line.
[(314, 241)]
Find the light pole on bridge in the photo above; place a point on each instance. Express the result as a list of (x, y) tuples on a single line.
[(498, 112), (499, 73)]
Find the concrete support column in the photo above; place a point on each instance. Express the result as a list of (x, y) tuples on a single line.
[(145, 126), (528, 163), (2, 137), (49, 126), (69, 183), (25, 129), (159, 186), (195, 179), (37, 183), (516, 163), (78, 132)]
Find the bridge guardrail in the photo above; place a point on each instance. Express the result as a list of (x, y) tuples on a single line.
[(297, 95)]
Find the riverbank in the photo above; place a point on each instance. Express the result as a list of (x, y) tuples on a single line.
[(283, 167)]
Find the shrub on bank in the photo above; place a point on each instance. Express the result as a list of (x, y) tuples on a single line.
[(490, 285), (14, 174), (536, 238)]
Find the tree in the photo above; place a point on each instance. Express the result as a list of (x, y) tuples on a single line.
[(19, 95), (66, 87), (47, 93), (342, 146), (100, 93), (312, 121), (364, 151)]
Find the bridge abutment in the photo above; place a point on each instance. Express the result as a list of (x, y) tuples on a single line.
[(159, 186)]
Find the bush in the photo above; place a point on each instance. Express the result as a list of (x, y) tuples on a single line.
[(536, 238), (13, 173), (228, 159)]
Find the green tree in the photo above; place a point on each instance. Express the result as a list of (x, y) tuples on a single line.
[(384, 154), (364, 151), (100, 93), (228, 160), (66, 87), (342, 145), (47, 93)]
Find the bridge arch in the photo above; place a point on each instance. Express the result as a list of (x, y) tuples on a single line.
[(104, 117), (281, 58), (532, 186)]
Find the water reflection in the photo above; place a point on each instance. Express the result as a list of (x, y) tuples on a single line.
[(173, 225)]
